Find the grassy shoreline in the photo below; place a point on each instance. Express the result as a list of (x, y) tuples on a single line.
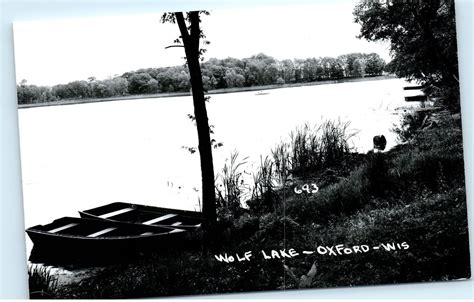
[(211, 92), (412, 194)]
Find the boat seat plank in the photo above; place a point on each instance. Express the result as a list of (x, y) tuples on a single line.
[(177, 223), (102, 232), (176, 231), (63, 228), (115, 213), (158, 219)]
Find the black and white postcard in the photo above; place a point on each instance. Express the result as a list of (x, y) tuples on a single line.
[(242, 150)]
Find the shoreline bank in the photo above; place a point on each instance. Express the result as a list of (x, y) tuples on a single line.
[(211, 92)]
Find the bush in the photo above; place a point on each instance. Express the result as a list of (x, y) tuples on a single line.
[(434, 160), (411, 123)]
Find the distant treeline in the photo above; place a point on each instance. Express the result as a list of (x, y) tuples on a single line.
[(258, 70)]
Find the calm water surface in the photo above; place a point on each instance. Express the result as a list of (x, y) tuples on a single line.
[(77, 157)]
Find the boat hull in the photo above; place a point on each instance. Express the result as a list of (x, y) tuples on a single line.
[(61, 243), (148, 215)]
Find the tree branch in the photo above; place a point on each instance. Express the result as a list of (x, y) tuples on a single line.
[(171, 46)]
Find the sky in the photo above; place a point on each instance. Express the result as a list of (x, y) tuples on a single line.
[(63, 50)]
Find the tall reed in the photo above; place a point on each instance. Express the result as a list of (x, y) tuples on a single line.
[(264, 185), (313, 148), (309, 149), (229, 183)]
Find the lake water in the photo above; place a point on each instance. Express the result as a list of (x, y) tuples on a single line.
[(77, 157)]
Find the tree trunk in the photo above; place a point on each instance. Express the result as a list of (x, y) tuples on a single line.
[(191, 46)]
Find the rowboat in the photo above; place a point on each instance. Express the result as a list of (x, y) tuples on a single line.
[(70, 240), (418, 87), (416, 98), (145, 215)]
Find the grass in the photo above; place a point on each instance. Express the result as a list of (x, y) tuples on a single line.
[(310, 150), (230, 185), (414, 193), (435, 227), (264, 197), (411, 122), (42, 282), (313, 148)]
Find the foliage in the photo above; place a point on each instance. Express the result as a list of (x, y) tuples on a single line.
[(437, 163), (191, 38), (312, 149), (414, 193), (435, 227), (230, 186), (423, 203), (264, 198), (431, 162), (28, 94), (42, 282), (359, 65), (411, 123), (256, 70), (423, 41), (142, 83)]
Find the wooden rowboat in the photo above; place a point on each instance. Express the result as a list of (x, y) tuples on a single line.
[(418, 87), (416, 98), (145, 215), (71, 240)]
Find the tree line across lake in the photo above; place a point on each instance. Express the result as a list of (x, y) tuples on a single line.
[(257, 70)]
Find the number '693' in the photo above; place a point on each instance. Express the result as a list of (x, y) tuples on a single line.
[(308, 188)]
